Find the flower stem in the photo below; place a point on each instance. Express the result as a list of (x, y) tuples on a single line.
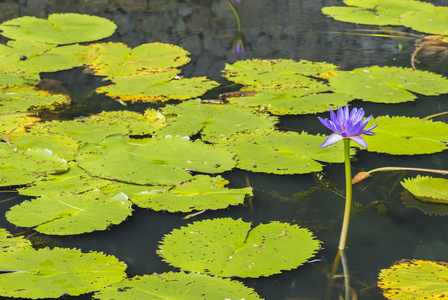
[(348, 195), (408, 169), (236, 14)]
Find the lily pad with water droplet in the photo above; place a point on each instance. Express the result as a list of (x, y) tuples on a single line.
[(227, 248)]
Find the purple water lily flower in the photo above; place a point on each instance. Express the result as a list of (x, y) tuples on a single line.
[(346, 124)]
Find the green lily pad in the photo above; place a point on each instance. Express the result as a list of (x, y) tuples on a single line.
[(277, 72), (375, 12), (74, 181), (15, 99), (17, 122), (293, 101), (202, 192), (66, 214), (35, 57), (68, 28), (430, 208), (60, 145), (227, 247), (10, 243), (19, 79), (157, 86), (179, 286), (17, 167), (215, 122), (431, 21), (282, 152), (428, 189), (116, 59), (46, 273), (399, 281), (152, 160), (407, 136)]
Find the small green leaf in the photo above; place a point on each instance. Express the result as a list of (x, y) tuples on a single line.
[(66, 214), (399, 281), (227, 247), (429, 208), (407, 136), (428, 189), (179, 286), (59, 29), (202, 192), (52, 273)]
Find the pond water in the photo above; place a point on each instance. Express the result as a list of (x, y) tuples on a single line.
[(382, 229)]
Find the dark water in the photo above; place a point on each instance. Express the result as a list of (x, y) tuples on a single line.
[(382, 230)]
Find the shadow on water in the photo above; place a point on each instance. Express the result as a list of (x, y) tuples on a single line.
[(382, 230)]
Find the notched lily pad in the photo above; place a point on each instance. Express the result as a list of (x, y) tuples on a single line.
[(66, 214), (410, 201), (10, 243), (428, 189), (202, 192), (399, 281), (215, 122), (22, 167), (59, 29), (152, 161), (282, 152), (157, 86), (117, 59), (36, 57), (227, 247), (179, 286), (407, 136), (46, 273)]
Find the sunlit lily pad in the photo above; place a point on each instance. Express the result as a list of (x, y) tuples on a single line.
[(202, 192), (97, 127), (152, 160), (157, 86), (415, 280), (66, 214), (116, 59), (179, 286), (34, 57), (22, 167), (429, 208), (277, 72), (60, 145), (46, 273), (17, 122), (407, 136), (59, 29), (227, 247), (427, 188), (431, 21), (15, 99), (283, 152), (19, 79), (10, 243), (74, 181), (215, 122)]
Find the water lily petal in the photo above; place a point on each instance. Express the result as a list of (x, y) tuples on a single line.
[(331, 140), (359, 140)]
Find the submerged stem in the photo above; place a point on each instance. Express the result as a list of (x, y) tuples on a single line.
[(348, 195)]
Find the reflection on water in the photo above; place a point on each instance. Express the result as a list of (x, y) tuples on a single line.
[(382, 230)]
